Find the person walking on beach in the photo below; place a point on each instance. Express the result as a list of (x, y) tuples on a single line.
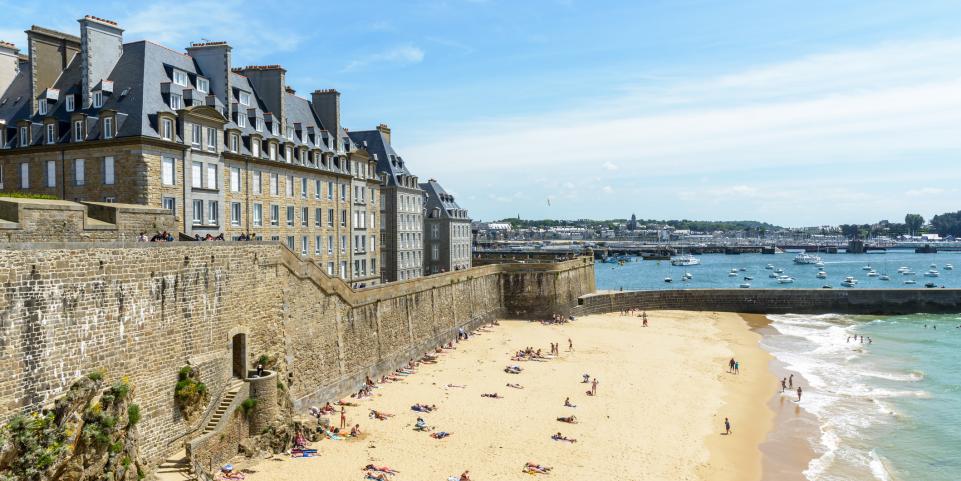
[(644, 317), (799, 394), (594, 387), (790, 382), (730, 365), (783, 385), (727, 426), (570, 344), (737, 367), (343, 417)]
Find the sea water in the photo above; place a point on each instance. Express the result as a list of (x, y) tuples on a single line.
[(715, 269), (889, 409)]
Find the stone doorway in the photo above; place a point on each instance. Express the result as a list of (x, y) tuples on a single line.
[(239, 349)]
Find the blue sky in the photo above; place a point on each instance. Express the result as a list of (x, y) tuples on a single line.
[(796, 113)]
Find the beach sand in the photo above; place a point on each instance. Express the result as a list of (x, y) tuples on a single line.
[(663, 394)]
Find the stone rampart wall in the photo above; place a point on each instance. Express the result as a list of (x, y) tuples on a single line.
[(146, 310), (779, 301)]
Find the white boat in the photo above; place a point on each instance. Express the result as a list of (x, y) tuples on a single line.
[(803, 258), (779, 271), (744, 285), (687, 276), (885, 277), (685, 260), (933, 266), (769, 267), (909, 273), (743, 269), (819, 264), (827, 286), (932, 273), (903, 269), (948, 267), (668, 279), (772, 275), (785, 279), (822, 275), (872, 273), (732, 274), (867, 268), (849, 282), (910, 281)]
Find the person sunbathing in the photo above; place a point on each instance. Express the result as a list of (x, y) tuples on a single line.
[(328, 408), (459, 386), (567, 403), (300, 442), (532, 468), (515, 386), (513, 369), (440, 434), (561, 437), (383, 469), (424, 408), (347, 403), (375, 476), (568, 419), (228, 472), (421, 425), (493, 395), (379, 415)]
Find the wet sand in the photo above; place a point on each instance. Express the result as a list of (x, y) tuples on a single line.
[(663, 394)]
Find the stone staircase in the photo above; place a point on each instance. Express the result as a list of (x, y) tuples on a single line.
[(177, 466)]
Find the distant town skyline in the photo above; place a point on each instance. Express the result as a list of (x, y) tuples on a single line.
[(807, 114)]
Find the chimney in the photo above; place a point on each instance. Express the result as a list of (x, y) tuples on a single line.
[(326, 106), (50, 52), (213, 58), (268, 82), (101, 43), (9, 64), (385, 131)]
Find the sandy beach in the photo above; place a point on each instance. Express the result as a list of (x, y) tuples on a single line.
[(663, 394)]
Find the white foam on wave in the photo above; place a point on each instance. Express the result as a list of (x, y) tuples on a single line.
[(878, 469)]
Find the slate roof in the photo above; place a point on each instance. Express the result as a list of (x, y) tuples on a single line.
[(437, 197), (388, 160)]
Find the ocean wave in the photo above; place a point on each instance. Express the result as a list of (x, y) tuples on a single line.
[(913, 376), (878, 469)]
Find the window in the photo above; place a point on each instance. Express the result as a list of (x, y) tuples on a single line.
[(167, 171), (304, 216), (255, 147), (316, 245), (108, 172), (258, 182), (289, 186), (303, 187), (273, 184), (258, 215), (176, 101), (235, 213), (274, 214), (203, 85), (343, 269), (108, 127), (198, 217), (42, 107), (343, 192), (290, 215), (51, 133), (343, 244), (110, 200), (330, 245), (51, 173), (24, 175), (170, 204), (317, 189), (235, 179), (317, 216), (24, 136), (343, 218), (435, 252), (214, 212), (180, 78), (211, 139), (195, 135), (330, 191), (330, 217), (97, 99), (273, 152), (289, 155), (234, 143), (373, 243), (242, 119), (78, 171), (167, 129), (435, 231), (244, 98), (212, 176), (330, 269), (69, 102), (303, 245), (78, 130), (196, 175)]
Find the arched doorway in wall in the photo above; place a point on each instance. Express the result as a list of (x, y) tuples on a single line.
[(239, 350)]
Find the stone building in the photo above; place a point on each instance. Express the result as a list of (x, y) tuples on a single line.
[(447, 231), (401, 208), (228, 150)]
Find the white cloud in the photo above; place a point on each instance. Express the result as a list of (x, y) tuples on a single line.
[(894, 105), (924, 191), (215, 20), (607, 189), (398, 55)]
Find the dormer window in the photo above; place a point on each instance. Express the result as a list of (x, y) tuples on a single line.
[(108, 127), (42, 108), (203, 85), (78, 130), (167, 129), (289, 157), (69, 102), (97, 99), (273, 152), (255, 147), (260, 125), (244, 99), (234, 143), (24, 136), (274, 128), (51, 134), (241, 120), (176, 101), (180, 78)]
